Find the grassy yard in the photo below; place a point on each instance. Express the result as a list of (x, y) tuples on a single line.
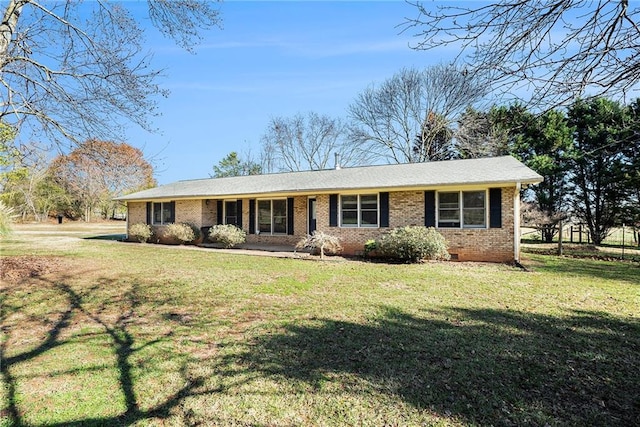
[(98, 332)]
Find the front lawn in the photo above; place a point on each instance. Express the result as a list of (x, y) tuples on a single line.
[(98, 332)]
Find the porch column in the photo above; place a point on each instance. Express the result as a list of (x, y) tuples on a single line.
[(516, 223)]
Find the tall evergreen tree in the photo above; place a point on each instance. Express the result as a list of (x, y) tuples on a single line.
[(598, 162), (544, 143)]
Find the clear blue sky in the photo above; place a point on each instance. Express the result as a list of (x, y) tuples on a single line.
[(269, 59)]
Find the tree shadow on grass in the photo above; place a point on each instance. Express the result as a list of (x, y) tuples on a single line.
[(487, 367), (117, 237), (122, 342), (623, 271)]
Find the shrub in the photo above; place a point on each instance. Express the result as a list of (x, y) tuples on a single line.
[(197, 233), (413, 244), (181, 232), (227, 234), (322, 241), (370, 246), (7, 218), (141, 232)]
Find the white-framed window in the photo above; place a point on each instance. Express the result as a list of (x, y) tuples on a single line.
[(272, 216), (163, 213), (462, 209), (231, 212), (359, 210)]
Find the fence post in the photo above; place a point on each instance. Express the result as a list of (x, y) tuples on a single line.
[(580, 241), (622, 257), (560, 248)]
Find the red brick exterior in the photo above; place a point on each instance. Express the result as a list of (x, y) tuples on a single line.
[(405, 208)]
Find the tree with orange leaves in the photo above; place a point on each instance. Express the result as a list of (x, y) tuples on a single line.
[(97, 171)]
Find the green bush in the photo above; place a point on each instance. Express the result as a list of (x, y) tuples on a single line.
[(370, 247), (413, 244), (321, 241), (141, 232), (181, 232), (7, 217), (227, 234)]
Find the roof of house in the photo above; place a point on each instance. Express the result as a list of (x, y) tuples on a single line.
[(490, 171)]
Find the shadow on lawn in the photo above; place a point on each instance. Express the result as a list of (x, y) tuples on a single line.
[(625, 271), (123, 345), (487, 367), (118, 237)]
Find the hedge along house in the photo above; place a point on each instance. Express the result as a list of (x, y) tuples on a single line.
[(474, 203)]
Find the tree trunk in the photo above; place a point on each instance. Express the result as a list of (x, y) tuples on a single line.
[(8, 27)]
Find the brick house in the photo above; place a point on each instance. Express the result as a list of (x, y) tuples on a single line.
[(474, 203)]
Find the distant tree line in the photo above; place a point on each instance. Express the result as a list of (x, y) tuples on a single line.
[(588, 152), (78, 185)]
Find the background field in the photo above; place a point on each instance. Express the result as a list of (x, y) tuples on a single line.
[(99, 332)]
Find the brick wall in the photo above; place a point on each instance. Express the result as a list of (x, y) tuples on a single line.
[(491, 244), (209, 213), (137, 212), (189, 211), (405, 208)]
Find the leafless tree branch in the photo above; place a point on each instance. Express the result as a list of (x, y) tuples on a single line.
[(402, 119), (307, 142), (70, 70), (546, 53)]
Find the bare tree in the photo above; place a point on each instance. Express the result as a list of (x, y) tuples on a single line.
[(403, 119), (477, 136), (76, 70), (307, 142), (548, 51)]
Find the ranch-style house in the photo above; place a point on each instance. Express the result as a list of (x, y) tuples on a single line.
[(474, 203)]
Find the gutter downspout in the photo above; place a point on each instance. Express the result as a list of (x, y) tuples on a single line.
[(516, 223), (127, 233)]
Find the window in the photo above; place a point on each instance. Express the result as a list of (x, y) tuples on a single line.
[(272, 216), (449, 210), (466, 209), (473, 209), (231, 212), (163, 213), (359, 210)]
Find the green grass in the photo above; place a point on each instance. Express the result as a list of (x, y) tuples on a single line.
[(135, 334)]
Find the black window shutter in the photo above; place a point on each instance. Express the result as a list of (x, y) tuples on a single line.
[(252, 216), (239, 213), (172, 210), (220, 212), (290, 215), (495, 207), (149, 212), (384, 209), (333, 210), (429, 208)]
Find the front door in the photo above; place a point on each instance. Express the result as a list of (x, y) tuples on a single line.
[(312, 215)]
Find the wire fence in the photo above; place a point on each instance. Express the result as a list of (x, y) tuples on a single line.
[(625, 235), (619, 236), (621, 241)]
